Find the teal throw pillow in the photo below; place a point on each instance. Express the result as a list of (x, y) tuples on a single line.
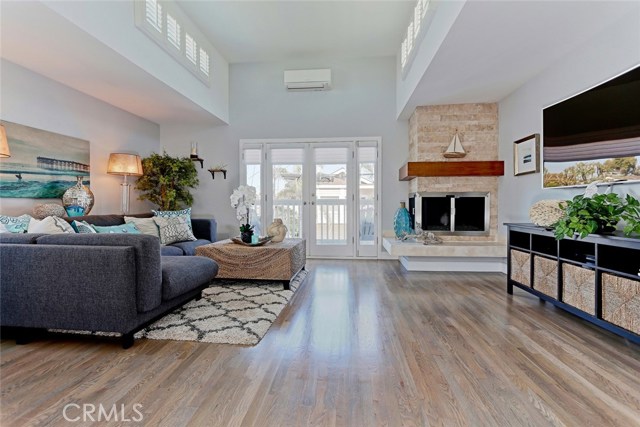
[(122, 228), (15, 224), (83, 227), (184, 213)]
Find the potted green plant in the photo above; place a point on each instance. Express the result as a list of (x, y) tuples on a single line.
[(243, 199), (600, 213), (246, 232), (167, 180)]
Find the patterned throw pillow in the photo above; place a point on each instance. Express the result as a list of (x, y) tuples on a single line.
[(50, 225), (173, 230), (185, 213), (145, 225), (83, 227), (16, 224), (122, 228)]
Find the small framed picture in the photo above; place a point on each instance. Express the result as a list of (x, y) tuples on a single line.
[(526, 155)]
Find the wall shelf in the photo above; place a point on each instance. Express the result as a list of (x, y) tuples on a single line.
[(222, 171), (413, 170), (198, 159)]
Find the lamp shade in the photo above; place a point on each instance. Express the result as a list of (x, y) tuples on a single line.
[(124, 164), (4, 144)]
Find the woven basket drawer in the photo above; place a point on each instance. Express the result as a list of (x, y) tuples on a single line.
[(545, 276), (579, 287), (621, 302), (521, 267)]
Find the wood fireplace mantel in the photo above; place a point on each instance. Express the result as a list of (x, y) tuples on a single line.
[(413, 170)]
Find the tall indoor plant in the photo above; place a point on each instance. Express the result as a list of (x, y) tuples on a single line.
[(167, 180)]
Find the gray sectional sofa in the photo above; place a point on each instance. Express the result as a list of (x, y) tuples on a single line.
[(94, 282)]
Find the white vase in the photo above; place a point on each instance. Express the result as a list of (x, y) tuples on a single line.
[(277, 230)]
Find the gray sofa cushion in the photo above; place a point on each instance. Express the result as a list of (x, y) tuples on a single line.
[(170, 250), (147, 258), (17, 238), (68, 287), (182, 274), (189, 247), (205, 228)]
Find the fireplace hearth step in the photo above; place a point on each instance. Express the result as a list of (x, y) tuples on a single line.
[(448, 256)]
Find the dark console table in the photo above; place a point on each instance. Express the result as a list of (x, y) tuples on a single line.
[(596, 278)]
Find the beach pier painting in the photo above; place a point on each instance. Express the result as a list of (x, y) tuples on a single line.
[(43, 165)]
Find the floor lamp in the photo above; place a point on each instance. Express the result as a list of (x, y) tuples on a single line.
[(125, 164)]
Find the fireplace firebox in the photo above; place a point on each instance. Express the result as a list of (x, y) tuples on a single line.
[(451, 213)]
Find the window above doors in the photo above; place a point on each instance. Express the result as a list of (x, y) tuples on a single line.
[(171, 29)]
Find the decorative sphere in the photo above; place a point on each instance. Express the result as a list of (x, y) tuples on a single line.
[(545, 213), (48, 209)]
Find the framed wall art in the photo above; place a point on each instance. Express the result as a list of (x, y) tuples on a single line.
[(43, 165), (526, 155)]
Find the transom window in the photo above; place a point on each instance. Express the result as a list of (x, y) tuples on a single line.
[(168, 26), (415, 31)]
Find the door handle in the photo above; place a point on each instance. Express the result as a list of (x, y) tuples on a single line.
[(313, 203), (304, 203)]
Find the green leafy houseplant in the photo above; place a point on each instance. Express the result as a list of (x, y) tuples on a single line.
[(597, 214), (167, 180), (246, 228)]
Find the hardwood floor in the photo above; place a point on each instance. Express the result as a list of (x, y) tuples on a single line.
[(361, 344)]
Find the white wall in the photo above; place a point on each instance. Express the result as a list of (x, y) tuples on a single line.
[(32, 100), (361, 103), (98, 18), (610, 53)]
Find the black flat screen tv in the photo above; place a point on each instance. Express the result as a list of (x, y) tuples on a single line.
[(594, 136)]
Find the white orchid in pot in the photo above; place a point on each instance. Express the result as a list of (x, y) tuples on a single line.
[(243, 199)]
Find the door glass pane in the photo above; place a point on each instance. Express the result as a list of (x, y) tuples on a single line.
[(330, 194), (253, 169), (366, 182), (287, 188)]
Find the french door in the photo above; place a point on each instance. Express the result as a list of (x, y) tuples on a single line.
[(324, 191)]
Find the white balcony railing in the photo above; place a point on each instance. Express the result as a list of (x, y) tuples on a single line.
[(331, 219)]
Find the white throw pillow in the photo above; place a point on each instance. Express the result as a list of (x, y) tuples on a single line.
[(3, 229), (145, 225), (50, 225), (15, 224), (173, 230)]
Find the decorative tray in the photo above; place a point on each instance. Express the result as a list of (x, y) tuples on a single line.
[(261, 241)]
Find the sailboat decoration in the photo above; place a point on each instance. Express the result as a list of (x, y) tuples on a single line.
[(455, 149)]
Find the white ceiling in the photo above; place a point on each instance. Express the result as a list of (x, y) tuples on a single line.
[(494, 47), (262, 31)]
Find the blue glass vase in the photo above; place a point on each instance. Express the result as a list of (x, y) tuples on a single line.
[(402, 222)]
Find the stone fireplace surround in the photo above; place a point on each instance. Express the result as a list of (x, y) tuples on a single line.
[(431, 129)]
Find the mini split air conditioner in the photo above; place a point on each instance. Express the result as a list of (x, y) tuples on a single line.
[(303, 80)]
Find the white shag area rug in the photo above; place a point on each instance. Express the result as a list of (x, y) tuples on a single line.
[(229, 312)]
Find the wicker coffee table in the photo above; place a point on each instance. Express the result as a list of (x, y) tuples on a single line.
[(273, 261)]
